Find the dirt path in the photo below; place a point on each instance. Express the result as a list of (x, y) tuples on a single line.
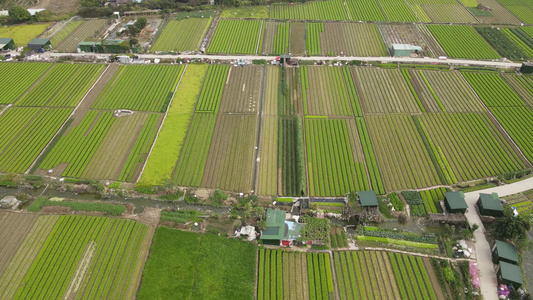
[(484, 256)]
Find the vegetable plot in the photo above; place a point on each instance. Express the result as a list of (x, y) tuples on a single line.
[(21, 77), (332, 10), (462, 41), (237, 37), (182, 35)]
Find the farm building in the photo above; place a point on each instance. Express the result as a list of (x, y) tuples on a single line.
[(510, 274), (275, 231), (279, 231), (526, 68), (489, 205), (39, 44), (399, 50), (505, 252), (109, 46), (455, 202), (7, 44), (368, 199)]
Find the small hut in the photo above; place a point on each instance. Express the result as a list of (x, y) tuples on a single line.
[(7, 44), (455, 202), (505, 252), (40, 45), (368, 199), (489, 205), (510, 274)]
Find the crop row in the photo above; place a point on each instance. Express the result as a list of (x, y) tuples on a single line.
[(193, 155), (499, 41), (140, 149), (317, 10), (366, 10), (237, 37), (281, 39), (211, 94), (523, 40), (325, 93), (142, 88), (397, 11), (79, 145), (21, 77), (283, 275), (516, 121), (412, 277), (333, 170), (370, 157), (462, 41), (312, 41), (23, 141), (493, 90), (471, 144), (105, 246), (432, 199), (291, 156), (183, 35)]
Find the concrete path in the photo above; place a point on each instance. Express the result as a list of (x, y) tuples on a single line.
[(385, 59), (483, 252)]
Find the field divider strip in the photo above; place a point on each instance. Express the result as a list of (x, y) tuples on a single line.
[(523, 158), (66, 121), (162, 122), (259, 37)]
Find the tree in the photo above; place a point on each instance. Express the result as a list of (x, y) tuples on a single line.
[(141, 23), (511, 227), (133, 42), (133, 30), (18, 13)]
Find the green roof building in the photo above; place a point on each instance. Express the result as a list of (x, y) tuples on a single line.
[(38, 44), (108, 46), (405, 49), (455, 202), (510, 274), (505, 252), (489, 205), (368, 198), (276, 228), (7, 44)]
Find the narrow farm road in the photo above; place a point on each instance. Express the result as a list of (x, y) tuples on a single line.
[(483, 252), (385, 59)]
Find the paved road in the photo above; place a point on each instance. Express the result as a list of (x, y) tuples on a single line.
[(483, 251), (386, 59)]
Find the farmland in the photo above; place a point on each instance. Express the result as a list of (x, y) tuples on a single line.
[(22, 77), (367, 10), (237, 37), (23, 34), (82, 257), (293, 275), (132, 88), (397, 11), (182, 35), (462, 41), (381, 275), (499, 41), (276, 38), (64, 32), (332, 10), (176, 255), (89, 29)]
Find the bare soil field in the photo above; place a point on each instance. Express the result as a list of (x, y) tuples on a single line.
[(404, 34), (297, 38), (242, 91), (15, 228), (87, 30)]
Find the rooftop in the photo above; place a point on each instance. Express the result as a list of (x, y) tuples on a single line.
[(511, 272), (456, 200), (491, 201), (368, 198), (506, 251)]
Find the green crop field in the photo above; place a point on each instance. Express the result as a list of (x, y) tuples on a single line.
[(520, 9), (63, 86), (294, 275), (22, 76), (335, 157), (187, 265), (367, 10), (378, 275), (462, 41), (182, 35), (520, 39), (25, 132), (237, 37), (23, 34), (134, 88), (276, 38), (331, 10), (398, 11), (64, 32), (500, 41), (76, 256)]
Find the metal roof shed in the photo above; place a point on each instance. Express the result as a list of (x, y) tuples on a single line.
[(506, 252), (37, 44), (276, 227), (489, 205), (455, 202), (405, 49), (510, 274), (7, 44), (368, 198)]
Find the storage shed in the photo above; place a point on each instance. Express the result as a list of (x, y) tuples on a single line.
[(510, 274), (455, 202), (505, 252), (40, 44), (276, 227), (368, 198), (7, 44), (489, 205), (109, 46), (399, 50), (526, 68)]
